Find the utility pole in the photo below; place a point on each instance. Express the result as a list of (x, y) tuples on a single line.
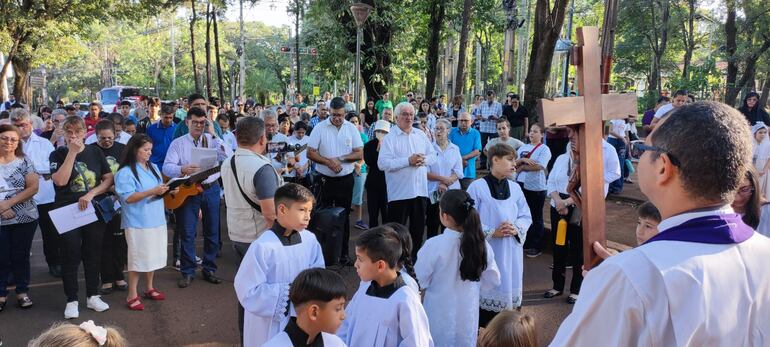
[(297, 13), (216, 54), (242, 55), (173, 57), (208, 50), (568, 37)]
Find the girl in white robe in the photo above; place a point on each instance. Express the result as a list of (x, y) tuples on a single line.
[(760, 157), (262, 282), (451, 268), (504, 211)]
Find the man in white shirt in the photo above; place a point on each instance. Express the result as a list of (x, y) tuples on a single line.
[(703, 280), (405, 156), (617, 138), (120, 135), (335, 144), (681, 98)]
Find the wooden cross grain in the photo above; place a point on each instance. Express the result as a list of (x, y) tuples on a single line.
[(586, 114)]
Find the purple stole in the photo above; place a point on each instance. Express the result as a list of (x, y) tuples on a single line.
[(715, 229)]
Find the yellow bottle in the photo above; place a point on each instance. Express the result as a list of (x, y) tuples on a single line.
[(561, 233)]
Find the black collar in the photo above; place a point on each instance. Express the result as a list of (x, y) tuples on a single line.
[(386, 291), (499, 189), (292, 239), (299, 337)]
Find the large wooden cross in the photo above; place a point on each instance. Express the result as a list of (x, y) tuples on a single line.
[(586, 114)]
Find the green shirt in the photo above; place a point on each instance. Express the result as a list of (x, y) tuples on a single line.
[(381, 105)]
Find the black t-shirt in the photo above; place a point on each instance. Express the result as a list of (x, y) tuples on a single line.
[(516, 118), (113, 155), (143, 124), (47, 134), (90, 162), (375, 179)]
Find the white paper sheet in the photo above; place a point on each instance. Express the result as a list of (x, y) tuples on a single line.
[(205, 158), (71, 217)]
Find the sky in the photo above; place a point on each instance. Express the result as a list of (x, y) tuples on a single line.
[(270, 12)]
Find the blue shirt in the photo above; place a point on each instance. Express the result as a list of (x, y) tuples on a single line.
[(468, 142), (161, 139), (145, 213)]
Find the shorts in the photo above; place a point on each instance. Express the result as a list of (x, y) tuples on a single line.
[(358, 189)]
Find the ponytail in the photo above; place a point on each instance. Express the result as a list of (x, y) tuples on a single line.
[(473, 250), (405, 237)]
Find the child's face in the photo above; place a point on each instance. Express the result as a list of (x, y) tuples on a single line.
[(224, 124), (366, 268), (331, 315), (645, 229), (299, 133), (296, 216), (504, 166), (502, 130)]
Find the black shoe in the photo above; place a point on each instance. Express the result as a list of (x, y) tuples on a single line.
[(55, 271), (25, 303), (572, 298), (552, 293), (120, 287), (210, 277), (185, 281), (106, 291)]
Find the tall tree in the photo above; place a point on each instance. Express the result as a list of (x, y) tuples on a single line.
[(208, 50), (192, 46), (437, 10), (217, 54), (462, 55), (548, 22), (752, 33), (658, 39), (688, 38)]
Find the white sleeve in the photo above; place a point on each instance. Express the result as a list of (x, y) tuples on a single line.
[(344, 331), (430, 152), (457, 168), (524, 217), (610, 312), (611, 165), (490, 278), (387, 160), (413, 323), (254, 293), (426, 264)]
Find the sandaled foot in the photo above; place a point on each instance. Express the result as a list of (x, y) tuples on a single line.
[(135, 304), (154, 294)]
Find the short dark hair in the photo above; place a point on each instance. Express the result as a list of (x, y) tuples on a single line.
[(648, 211), (116, 118), (500, 150), (515, 97), (291, 193), (128, 122), (223, 116), (381, 243), (283, 118), (663, 99), (249, 130), (316, 284), (337, 103), (104, 124), (125, 103), (153, 101), (194, 96), (503, 120), (681, 92), (167, 109), (301, 125), (69, 108), (680, 136), (196, 111)]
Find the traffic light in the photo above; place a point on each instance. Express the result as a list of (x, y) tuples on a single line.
[(285, 49)]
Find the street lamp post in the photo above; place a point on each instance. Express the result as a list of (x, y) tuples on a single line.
[(360, 14)]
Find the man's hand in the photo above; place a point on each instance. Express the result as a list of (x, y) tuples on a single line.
[(190, 169), (84, 201), (442, 188), (334, 165), (416, 159)]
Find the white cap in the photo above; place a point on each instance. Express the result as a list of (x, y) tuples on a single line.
[(382, 125)]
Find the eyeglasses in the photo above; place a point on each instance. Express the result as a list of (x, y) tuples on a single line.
[(196, 123), (9, 139), (638, 148)]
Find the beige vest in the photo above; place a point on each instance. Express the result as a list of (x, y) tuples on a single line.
[(244, 223)]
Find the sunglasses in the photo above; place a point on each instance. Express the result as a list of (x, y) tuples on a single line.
[(638, 148)]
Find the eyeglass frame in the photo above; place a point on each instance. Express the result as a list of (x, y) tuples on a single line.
[(640, 146)]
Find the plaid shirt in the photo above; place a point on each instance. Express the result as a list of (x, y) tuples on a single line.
[(486, 110)]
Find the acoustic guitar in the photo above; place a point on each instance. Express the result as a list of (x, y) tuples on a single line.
[(189, 186)]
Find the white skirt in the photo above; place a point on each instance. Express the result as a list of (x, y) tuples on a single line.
[(147, 248)]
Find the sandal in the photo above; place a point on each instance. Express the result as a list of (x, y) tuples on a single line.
[(154, 294), (134, 304)]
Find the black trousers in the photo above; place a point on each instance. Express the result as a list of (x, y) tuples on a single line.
[(51, 248), (114, 252), (338, 192), (81, 244), (572, 251), (433, 222), (535, 201), (303, 181), (412, 210), (377, 206)]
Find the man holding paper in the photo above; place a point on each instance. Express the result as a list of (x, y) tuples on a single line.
[(181, 161)]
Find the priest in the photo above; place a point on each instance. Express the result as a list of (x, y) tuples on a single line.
[(703, 280)]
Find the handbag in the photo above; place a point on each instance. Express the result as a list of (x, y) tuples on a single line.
[(105, 207), (328, 224)]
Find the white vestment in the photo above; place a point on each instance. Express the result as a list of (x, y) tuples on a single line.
[(282, 340)]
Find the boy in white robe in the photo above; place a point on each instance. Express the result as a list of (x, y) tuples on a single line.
[(384, 312), (318, 296), (273, 261), (504, 210), (703, 279)]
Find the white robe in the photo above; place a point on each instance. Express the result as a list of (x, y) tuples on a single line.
[(760, 157), (282, 340), (675, 293), (509, 253), (399, 320), (764, 220), (451, 303), (262, 282)]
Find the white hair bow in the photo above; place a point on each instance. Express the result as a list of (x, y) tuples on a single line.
[(97, 332)]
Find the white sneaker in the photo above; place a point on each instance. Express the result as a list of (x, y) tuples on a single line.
[(71, 311), (95, 303)]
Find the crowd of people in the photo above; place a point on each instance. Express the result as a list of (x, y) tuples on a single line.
[(441, 254)]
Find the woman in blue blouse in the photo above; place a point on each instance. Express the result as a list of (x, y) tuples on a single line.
[(140, 185)]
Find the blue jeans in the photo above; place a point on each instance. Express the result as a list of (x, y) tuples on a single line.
[(620, 148), (15, 243), (187, 218)]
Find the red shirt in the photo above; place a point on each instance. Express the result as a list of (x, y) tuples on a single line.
[(90, 122)]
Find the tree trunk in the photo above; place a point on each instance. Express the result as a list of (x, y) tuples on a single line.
[(731, 33), (437, 13), (21, 88), (765, 92), (4, 71), (462, 56), (689, 39), (216, 54), (296, 46), (192, 46), (208, 50), (548, 23)]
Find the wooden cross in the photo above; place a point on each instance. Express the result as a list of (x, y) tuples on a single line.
[(586, 115)]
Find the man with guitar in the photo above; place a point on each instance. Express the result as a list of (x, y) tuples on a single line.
[(179, 163)]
